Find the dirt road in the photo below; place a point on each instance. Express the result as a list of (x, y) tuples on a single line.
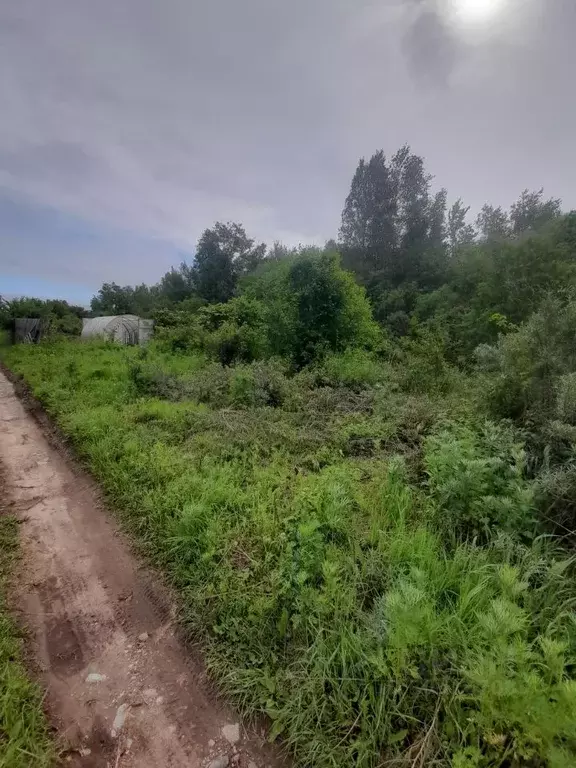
[(121, 689)]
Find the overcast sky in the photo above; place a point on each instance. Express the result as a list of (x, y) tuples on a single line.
[(128, 126)]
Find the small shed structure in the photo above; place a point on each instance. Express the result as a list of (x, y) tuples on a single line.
[(124, 329), (29, 330)]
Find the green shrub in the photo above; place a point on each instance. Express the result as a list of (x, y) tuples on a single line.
[(262, 383), (556, 495), (235, 331), (231, 343), (356, 368), (530, 362), (300, 308), (312, 307), (211, 385), (566, 398), (265, 383), (231, 332), (183, 336), (477, 481), (331, 310), (152, 381)]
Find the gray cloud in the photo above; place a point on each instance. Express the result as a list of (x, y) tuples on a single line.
[(430, 44), (68, 160), (162, 117)]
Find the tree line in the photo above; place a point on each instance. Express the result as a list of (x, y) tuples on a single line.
[(426, 265), (422, 261)]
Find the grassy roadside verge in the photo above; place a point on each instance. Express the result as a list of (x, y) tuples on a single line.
[(24, 740), (358, 568)]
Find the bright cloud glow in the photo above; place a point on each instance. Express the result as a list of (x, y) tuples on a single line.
[(476, 11)]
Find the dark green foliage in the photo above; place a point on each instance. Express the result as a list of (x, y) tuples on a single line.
[(29, 307), (493, 223), (113, 299), (322, 308), (533, 366), (329, 311), (403, 245), (236, 331), (531, 380), (299, 307), (498, 284), (369, 215), (175, 287), (421, 361), (530, 212), (224, 253), (230, 332), (393, 228), (460, 232), (62, 317), (477, 480)]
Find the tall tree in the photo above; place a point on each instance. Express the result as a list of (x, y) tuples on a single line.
[(356, 213), (177, 284), (492, 223), (391, 223), (224, 254), (437, 220), (113, 299), (413, 185), (460, 232), (278, 251), (530, 212), (369, 227)]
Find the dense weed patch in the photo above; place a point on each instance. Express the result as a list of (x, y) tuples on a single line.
[(363, 562)]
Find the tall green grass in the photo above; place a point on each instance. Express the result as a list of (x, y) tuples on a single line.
[(363, 570)]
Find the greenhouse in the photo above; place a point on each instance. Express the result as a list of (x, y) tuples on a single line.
[(124, 329)]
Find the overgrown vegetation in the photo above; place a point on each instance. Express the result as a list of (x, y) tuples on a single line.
[(59, 316), (24, 741), (361, 481), (364, 559)]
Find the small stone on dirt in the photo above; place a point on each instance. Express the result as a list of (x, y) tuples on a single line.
[(143, 637), (252, 764), (219, 762), (231, 733), (85, 752), (94, 677), (211, 743), (119, 719)]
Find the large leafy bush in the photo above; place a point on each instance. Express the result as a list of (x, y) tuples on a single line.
[(477, 480), (312, 307)]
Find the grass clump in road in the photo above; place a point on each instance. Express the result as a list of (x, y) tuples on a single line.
[(24, 740)]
